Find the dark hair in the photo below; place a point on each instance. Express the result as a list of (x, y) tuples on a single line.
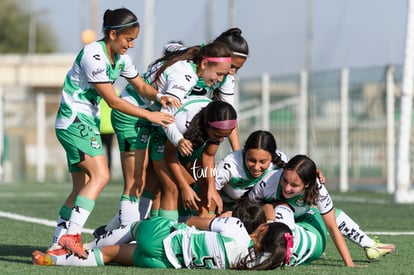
[(121, 20), (195, 53), (214, 111), (235, 41), (307, 172), (273, 242), (266, 141), (251, 214)]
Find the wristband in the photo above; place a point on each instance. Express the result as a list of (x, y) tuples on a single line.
[(158, 97)]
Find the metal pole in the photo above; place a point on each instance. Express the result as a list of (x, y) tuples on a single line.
[(309, 38), (302, 111), (232, 13), (41, 137), (148, 40), (344, 140), (403, 192), (2, 133), (390, 130), (209, 20), (265, 101)]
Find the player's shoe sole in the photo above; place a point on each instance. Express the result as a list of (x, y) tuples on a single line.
[(73, 243)]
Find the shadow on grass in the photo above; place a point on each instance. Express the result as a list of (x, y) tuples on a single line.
[(8, 253)]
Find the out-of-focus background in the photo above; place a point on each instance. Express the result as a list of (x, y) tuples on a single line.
[(324, 76)]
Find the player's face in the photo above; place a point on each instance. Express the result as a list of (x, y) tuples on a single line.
[(291, 184), (218, 135), (236, 63), (257, 161), (213, 73), (121, 42)]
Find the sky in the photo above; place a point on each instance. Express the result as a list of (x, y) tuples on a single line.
[(344, 33)]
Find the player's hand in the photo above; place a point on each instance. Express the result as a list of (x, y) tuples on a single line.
[(213, 195), (185, 147), (162, 119), (226, 214), (189, 198), (320, 176), (170, 100)]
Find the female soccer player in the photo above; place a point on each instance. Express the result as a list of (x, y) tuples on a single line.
[(222, 243), (91, 77), (225, 90), (193, 141), (140, 140), (297, 185), (239, 171)]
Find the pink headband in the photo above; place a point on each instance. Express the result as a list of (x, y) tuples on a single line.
[(223, 124), (289, 247), (218, 59)]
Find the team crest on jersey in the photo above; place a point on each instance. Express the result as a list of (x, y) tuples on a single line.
[(300, 202), (95, 144)]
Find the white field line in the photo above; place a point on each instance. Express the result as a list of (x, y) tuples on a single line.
[(50, 223), (90, 231)]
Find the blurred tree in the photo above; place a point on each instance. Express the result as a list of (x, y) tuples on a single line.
[(22, 31)]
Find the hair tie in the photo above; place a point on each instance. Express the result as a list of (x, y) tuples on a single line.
[(240, 54), (223, 124), (289, 247), (122, 25)]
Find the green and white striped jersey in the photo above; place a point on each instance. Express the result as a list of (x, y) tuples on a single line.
[(79, 97), (183, 116), (220, 248), (269, 190), (309, 235)]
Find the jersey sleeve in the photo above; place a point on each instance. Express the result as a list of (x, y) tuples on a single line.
[(171, 131), (230, 227), (224, 170), (324, 203), (256, 194), (265, 190), (226, 90), (178, 84), (285, 214), (129, 70), (94, 65)]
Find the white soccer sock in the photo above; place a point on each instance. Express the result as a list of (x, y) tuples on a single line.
[(351, 230), (145, 205), (114, 223), (129, 211), (117, 236), (61, 228), (94, 259), (77, 220)]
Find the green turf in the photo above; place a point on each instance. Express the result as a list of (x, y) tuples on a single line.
[(374, 212)]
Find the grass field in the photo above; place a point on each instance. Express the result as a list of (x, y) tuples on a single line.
[(28, 212)]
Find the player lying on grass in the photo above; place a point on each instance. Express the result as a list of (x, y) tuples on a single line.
[(223, 243)]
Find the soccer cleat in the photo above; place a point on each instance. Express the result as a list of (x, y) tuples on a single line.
[(375, 252), (40, 258), (99, 231), (73, 244), (56, 250)]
